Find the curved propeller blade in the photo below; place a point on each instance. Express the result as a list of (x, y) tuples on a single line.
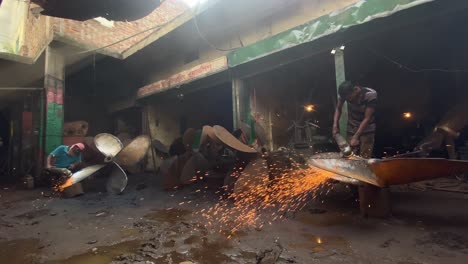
[(108, 144), (254, 176), (117, 180), (133, 152), (81, 175), (228, 139)]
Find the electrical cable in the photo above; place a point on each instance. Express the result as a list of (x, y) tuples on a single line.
[(402, 66), (155, 28)]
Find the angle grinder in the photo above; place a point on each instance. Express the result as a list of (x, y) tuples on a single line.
[(344, 146)]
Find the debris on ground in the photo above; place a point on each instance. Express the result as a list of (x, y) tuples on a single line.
[(270, 255), (447, 240), (389, 242)]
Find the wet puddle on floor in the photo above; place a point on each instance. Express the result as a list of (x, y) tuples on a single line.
[(103, 255), (170, 216), (211, 252), (322, 243), (326, 219), (129, 232), (20, 251)]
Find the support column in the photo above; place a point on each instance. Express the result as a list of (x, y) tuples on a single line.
[(54, 80), (236, 84), (340, 78), (242, 109)]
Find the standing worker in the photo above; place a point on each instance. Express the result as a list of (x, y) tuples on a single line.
[(362, 102)]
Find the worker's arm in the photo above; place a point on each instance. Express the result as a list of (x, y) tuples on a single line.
[(50, 161), (369, 113), (337, 116)]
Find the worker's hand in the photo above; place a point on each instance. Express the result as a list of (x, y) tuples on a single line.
[(354, 141), (336, 130)]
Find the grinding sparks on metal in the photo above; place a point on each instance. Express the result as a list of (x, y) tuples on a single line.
[(267, 200)]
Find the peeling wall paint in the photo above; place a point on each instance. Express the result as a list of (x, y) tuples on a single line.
[(13, 21)]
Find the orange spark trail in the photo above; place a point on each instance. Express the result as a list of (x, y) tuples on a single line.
[(265, 199)]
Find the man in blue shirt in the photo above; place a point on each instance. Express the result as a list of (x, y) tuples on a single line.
[(65, 158)]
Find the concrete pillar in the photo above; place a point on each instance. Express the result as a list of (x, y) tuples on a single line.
[(237, 87), (54, 80), (340, 78), (241, 101)]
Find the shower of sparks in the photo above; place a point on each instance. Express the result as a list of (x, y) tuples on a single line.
[(261, 200)]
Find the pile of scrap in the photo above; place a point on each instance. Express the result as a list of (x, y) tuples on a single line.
[(234, 161), (206, 154)]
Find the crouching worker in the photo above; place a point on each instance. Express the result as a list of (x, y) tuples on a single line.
[(63, 161)]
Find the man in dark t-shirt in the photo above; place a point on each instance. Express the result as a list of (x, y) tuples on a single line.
[(362, 102)]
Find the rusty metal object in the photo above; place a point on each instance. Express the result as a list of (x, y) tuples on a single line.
[(252, 177), (208, 134), (188, 138), (171, 178), (355, 169), (246, 135), (133, 152), (160, 147), (449, 127), (77, 128), (196, 163), (108, 144), (125, 138), (228, 139), (260, 133), (388, 172), (404, 171)]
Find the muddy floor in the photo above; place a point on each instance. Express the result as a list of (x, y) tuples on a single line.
[(148, 225)]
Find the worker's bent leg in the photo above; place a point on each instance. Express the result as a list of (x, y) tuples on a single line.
[(374, 201), (367, 145)]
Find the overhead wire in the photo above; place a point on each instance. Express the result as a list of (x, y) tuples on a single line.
[(402, 66)]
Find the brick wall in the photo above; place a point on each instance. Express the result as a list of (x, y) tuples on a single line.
[(92, 34), (38, 34)]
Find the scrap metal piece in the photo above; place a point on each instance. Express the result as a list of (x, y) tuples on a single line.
[(358, 169), (404, 171), (252, 177), (134, 152), (261, 133), (159, 146), (188, 138), (228, 139), (196, 163), (207, 135), (108, 144), (117, 180)]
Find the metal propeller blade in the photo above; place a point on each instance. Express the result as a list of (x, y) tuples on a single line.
[(228, 139), (108, 144), (358, 169), (133, 152), (252, 177), (117, 180), (83, 174)]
